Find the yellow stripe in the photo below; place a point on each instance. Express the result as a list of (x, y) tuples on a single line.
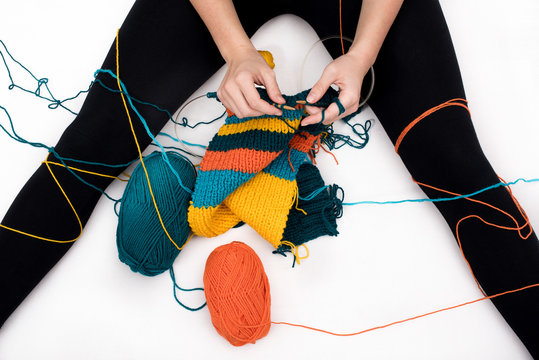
[(267, 124), (264, 203), (212, 220)]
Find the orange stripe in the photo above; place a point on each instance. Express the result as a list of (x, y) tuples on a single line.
[(452, 102), (302, 141), (244, 160)]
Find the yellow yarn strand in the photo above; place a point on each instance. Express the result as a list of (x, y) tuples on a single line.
[(85, 171), (296, 195), (136, 140), (188, 239), (295, 250), (46, 162)]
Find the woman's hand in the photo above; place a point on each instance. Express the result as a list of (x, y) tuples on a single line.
[(237, 90), (246, 67), (347, 72)]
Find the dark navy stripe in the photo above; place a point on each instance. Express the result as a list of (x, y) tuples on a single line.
[(253, 140)]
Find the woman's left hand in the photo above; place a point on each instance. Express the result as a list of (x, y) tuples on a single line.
[(347, 72)]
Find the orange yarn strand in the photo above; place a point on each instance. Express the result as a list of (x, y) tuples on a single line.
[(517, 227), (452, 102), (340, 25), (407, 319), (330, 153)]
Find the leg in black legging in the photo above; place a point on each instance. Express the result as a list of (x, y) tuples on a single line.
[(417, 70), (166, 53)]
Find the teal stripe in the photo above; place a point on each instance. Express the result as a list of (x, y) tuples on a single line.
[(212, 187), (280, 167)]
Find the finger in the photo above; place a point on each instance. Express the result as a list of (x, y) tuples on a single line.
[(243, 108), (256, 103), (323, 84), (270, 83), (327, 116), (224, 98), (311, 110)]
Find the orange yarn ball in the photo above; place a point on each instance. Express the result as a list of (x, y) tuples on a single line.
[(238, 294)]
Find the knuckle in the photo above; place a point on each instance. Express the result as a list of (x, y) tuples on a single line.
[(268, 73), (242, 76), (330, 70)]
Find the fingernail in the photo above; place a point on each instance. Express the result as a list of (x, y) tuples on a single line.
[(310, 98)]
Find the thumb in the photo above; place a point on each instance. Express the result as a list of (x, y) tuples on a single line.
[(274, 93), (320, 88)]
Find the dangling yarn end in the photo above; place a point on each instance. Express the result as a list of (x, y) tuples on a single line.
[(287, 246), (296, 196), (176, 286)]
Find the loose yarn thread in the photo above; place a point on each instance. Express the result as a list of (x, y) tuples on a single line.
[(43, 82)]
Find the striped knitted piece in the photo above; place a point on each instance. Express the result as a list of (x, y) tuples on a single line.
[(249, 173)]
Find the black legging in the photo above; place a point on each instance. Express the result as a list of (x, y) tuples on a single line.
[(167, 53)]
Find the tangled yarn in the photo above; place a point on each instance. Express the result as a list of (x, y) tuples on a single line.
[(237, 293), (142, 243)]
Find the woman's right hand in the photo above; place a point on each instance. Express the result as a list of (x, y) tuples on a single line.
[(237, 92)]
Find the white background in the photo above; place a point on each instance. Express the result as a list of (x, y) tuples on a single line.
[(388, 263)]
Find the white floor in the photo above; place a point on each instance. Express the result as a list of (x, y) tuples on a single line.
[(389, 262)]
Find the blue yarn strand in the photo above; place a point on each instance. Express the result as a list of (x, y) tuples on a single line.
[(51, 150), (339, 105), (41, 83), (176, 286), (183, 141), (442, 199), (143, 121)]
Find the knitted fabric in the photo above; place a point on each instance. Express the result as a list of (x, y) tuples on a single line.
[(322, 210), (251, 173)]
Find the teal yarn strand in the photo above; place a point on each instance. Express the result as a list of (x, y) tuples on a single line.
[(175, 287), (41, 83), (145, 125), (441, 199), (13, 135), (339, 104), (141, 241)]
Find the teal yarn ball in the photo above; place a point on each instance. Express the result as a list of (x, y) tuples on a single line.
[(142, 242)]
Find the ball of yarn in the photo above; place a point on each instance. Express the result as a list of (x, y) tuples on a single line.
[(142, 242), (237, 293)]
